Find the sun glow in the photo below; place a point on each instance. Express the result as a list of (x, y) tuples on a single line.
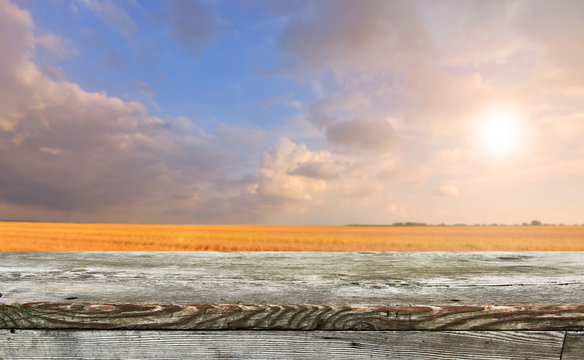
[(499, 131)]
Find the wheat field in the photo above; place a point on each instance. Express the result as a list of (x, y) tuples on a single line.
[(23, 236)]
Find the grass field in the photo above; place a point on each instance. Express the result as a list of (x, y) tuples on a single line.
[(21, 236)]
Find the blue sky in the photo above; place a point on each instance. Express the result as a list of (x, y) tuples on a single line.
[(292, 112), (226, 75)]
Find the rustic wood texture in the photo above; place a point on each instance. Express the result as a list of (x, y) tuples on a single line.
[(301, 291), (295, 277), (573, 346), (290, 317), (31, 344)]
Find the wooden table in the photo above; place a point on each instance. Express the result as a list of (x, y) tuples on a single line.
[(272, 305)]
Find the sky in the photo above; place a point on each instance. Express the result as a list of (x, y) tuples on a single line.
[(292, 112)]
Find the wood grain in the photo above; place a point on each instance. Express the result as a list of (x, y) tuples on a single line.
[(42, 344), (573, 346), (296, 291), (482, 278), (290, 317)]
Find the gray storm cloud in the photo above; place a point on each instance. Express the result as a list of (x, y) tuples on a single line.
[(366, 134), (66, 149)]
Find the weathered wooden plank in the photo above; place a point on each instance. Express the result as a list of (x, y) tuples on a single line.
[(37, 344), (290, 317), (293, 278), (302, 291), (573, 346)]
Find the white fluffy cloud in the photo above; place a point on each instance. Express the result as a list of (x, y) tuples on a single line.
[(283, 172), (299, 185)]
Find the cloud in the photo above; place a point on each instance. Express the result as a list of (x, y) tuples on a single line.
[(192, 25), (144, 88), (536, 41), (19, 42), (114, 16), (368, 134), (54, 72), (113, 60), (350, 36), (296, 184), (276, 172), (69, 153), (330, 115), (471, 32), (556, 29), (396, 86), (57, 45), (447, 190), (429, 68), (326, 111), (384, 51), (317, 170)]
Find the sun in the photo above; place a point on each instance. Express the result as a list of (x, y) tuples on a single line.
[(499, 131)]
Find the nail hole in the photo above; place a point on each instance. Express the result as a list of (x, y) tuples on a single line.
[(71, 298), (12, 331)]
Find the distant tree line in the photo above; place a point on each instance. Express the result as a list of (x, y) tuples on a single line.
[(409, 223)]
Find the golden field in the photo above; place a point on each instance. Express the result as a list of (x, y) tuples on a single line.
[(22, 236)]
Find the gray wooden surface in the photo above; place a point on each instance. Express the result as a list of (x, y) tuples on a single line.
[(294, 277), (484, 345), (573, 346), (297, 290)]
